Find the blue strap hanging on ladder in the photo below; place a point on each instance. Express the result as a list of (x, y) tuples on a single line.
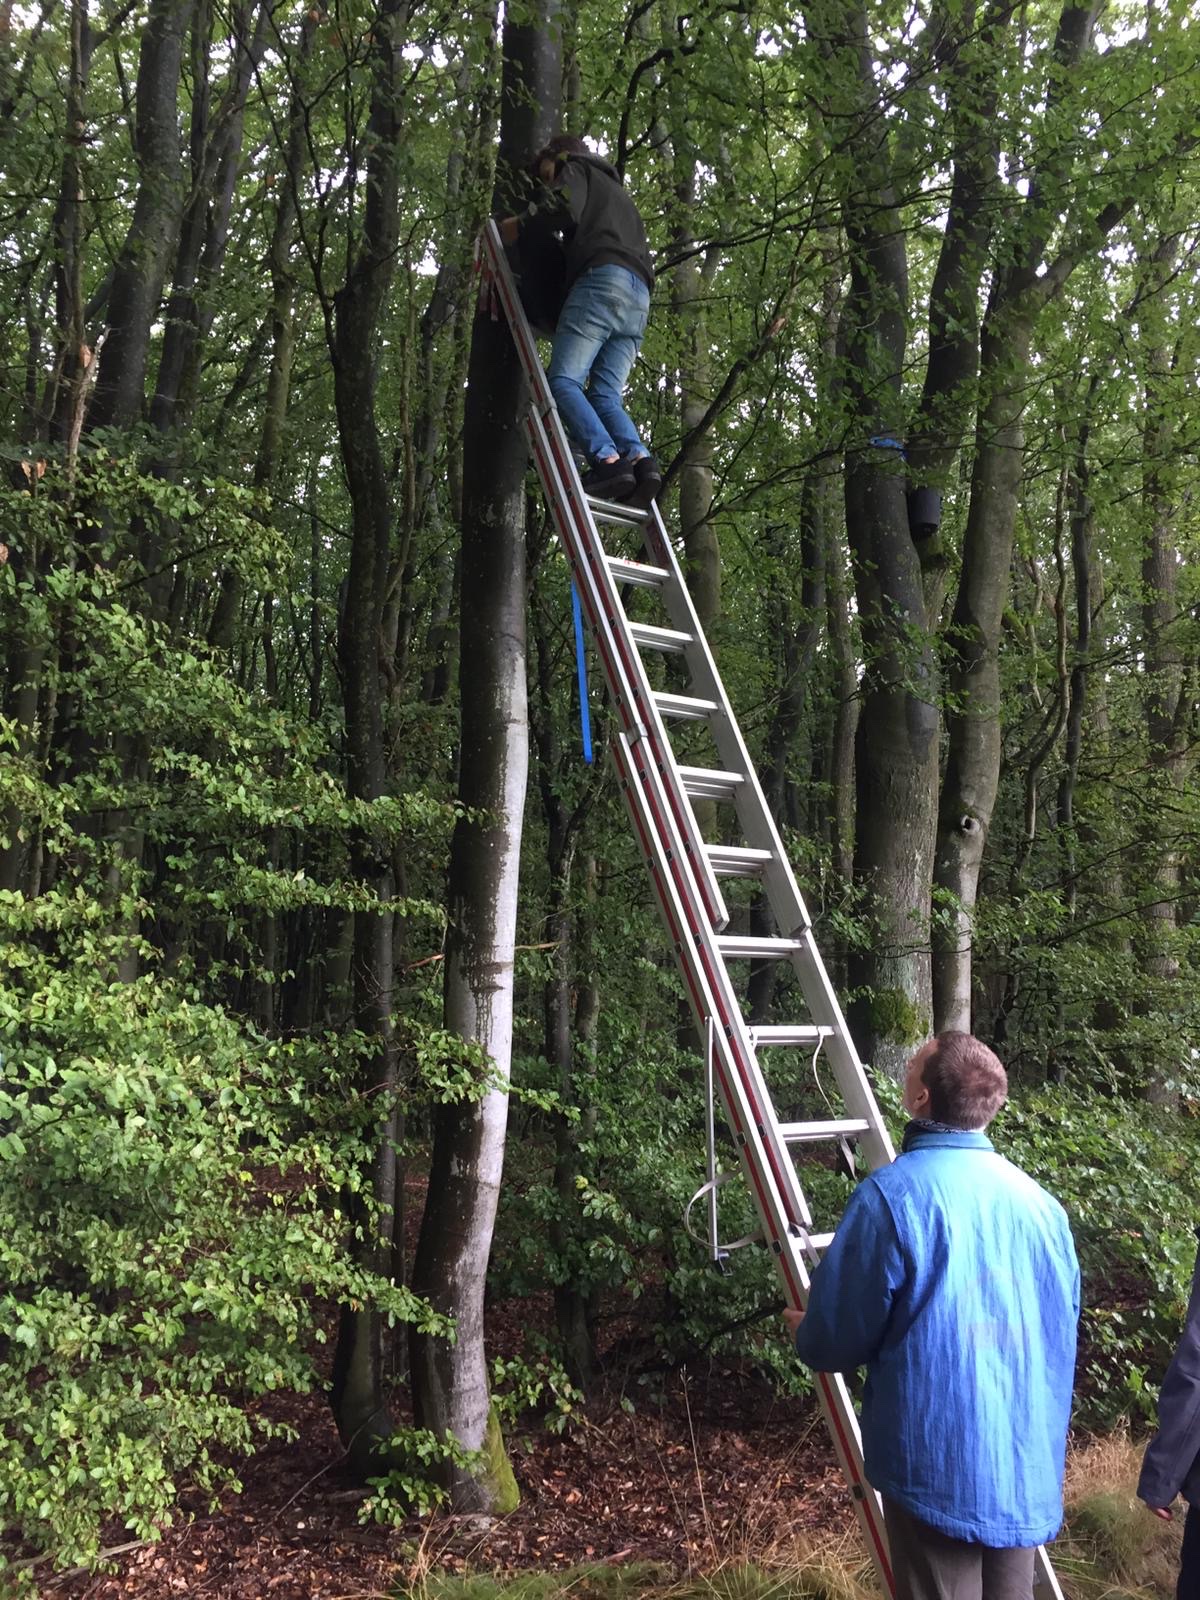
[(585, 717)]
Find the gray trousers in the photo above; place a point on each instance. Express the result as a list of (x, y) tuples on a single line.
[(929, 1565)]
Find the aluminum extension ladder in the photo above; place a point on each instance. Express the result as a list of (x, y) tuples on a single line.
[(687, 871)]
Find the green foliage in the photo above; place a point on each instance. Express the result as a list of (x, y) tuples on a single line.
[(169, 1248), (1133, 1215), (411, 1484), (539, 1384), (165, 1237)]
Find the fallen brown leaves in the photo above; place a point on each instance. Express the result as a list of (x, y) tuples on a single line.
[(617, 1488)]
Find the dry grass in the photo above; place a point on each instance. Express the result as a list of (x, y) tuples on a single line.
[(1112, 1545), (1111, 1549)]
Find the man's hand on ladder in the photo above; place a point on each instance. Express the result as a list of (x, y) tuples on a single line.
[(793, 1318)]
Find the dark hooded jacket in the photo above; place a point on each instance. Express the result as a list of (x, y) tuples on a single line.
[(600, 224), (1172, 1462)]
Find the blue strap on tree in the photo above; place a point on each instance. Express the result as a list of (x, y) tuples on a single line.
[(585, 716), (882, 442)]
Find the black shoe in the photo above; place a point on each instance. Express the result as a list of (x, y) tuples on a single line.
[(647, 483), (610, 480)]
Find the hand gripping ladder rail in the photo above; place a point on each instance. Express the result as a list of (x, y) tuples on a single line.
[(687, 871)]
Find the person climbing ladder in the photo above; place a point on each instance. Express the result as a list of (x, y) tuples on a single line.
[(599, 330)]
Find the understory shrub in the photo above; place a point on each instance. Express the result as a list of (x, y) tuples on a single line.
[(1128, 1173), (166, 1237), (179, 1189)]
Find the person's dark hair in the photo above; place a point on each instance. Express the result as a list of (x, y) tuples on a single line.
[(966, 1081), (559, 149), (566, 144)]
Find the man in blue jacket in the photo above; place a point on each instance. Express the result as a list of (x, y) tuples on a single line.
[(1171, 1465), (953, 1280)]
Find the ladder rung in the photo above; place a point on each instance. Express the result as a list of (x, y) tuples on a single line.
[(708, 783), (684, 707), (789, 1033), (820, 1241), (637, 572), (652, 638), (614, 511), (737, 860), (809, 1132), (744, 948)]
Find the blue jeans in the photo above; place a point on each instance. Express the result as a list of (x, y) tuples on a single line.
[(596, 341)]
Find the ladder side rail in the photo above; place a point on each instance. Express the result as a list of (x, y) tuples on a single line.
[(841, 1420), (1045, 1580), (783, 1209), (783, 893), (840, 1051), (494, 264), (622, 665), (749, 1123)]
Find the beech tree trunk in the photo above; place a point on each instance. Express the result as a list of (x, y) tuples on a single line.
[(1167, 701), (358, 1392), (898, 570), (1019, 294), (897, 738), (133, 302), (973, 761), (450, 1381)]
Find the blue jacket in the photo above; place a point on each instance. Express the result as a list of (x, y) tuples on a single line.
[(1172, 1462), (953, 1280)]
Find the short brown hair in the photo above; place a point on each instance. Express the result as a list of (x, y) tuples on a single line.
[(966, 1081)]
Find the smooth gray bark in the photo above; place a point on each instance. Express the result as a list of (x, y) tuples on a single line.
[(450, 1381), (973, 760)]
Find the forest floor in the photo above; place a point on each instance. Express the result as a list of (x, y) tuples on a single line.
[(708, 1465), (701, 1470), (713, 1490), (716, 1467)]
